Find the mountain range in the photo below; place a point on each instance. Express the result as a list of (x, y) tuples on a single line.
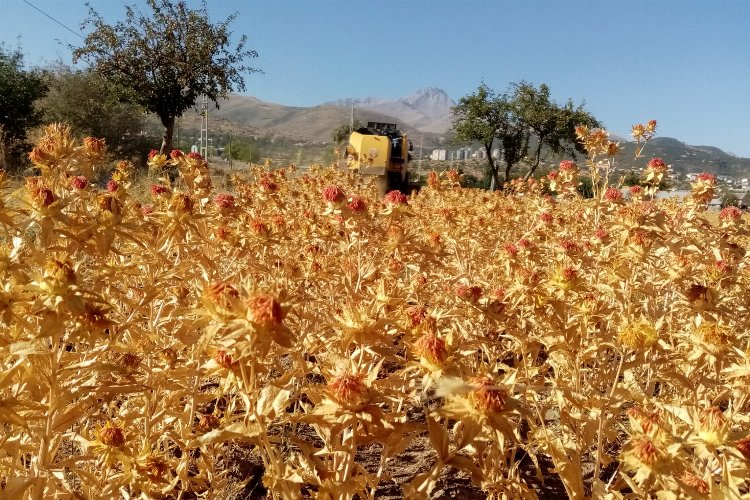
[(426, 116)]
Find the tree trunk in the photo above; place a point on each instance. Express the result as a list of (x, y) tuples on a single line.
[(166, 141), (508, 166), (536, 161), (494, 181)]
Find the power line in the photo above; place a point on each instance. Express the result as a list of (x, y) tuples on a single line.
[(53, 19)]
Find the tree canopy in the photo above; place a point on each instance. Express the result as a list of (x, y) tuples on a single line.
[(512, 119), (167, 58), (341, 134), (91, 106), (19, 90), (484, 117)]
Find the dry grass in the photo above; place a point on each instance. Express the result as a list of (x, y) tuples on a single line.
[(322, 334)]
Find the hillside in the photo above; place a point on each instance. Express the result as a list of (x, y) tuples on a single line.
[(425, 117)]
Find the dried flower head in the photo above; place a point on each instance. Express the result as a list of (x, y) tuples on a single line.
[(695, 482), (207, 422), (730, 213), (613, 195), (656, 164), (356, 204), (743, 446), (111, 435), (638, 335), (396, 197), (333, 194), (712, 426), (224, 359), (431, 350), (79, 182), (224, 202), (646, 451), (349, 389), (265, 311), (487, 397)]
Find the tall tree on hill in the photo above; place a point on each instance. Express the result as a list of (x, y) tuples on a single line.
[(90, 105), (485, 117), (552, 124), (512, 119), (167, 58), (19, 90)]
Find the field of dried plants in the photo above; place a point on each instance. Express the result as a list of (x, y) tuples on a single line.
[(302, 338)]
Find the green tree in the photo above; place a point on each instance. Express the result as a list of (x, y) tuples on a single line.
[(513, 118), (19, 90), (167, 58), (729, 199), (484, 117), (91, 105), (341, 134), (553, 125), (244, 151)]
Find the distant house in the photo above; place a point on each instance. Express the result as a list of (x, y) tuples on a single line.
[(438, 154), (744, 202)]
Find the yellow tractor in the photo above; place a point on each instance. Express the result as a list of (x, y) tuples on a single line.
[(381, 150)]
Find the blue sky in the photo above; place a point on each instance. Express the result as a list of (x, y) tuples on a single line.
[(684, 63)]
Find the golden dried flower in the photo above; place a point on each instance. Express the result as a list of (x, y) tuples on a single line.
[(181, 203), (488, 397), (153, 468), (207, 423), (112, 435), (222, 296), (648, 421), (130, 361), (168, 355), (638, 335), (93, 146), (349, 389), (431, 350), (695, 482), (712, 426), (264, 310), (645, 451), (224, 360), (713, 334), (743, 446)]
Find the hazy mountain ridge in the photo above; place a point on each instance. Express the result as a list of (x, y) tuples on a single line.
[(427, 110), (426, 116)]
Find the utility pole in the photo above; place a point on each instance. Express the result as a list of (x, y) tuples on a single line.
[(204, 128), (419, 164), (351, 121), (229, 154)]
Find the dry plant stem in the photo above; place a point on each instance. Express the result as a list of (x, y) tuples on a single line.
[(602, 414), (42, 463)]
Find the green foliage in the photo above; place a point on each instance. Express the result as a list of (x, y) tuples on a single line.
[(728, 199), (552, 124), (631, 178), (512, 118), (167, 57), (484, 117), (244, 151), (586, 187), (91, 105), (340, 134), (19, 90)]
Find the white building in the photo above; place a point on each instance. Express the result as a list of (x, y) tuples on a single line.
[(439, 154)]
